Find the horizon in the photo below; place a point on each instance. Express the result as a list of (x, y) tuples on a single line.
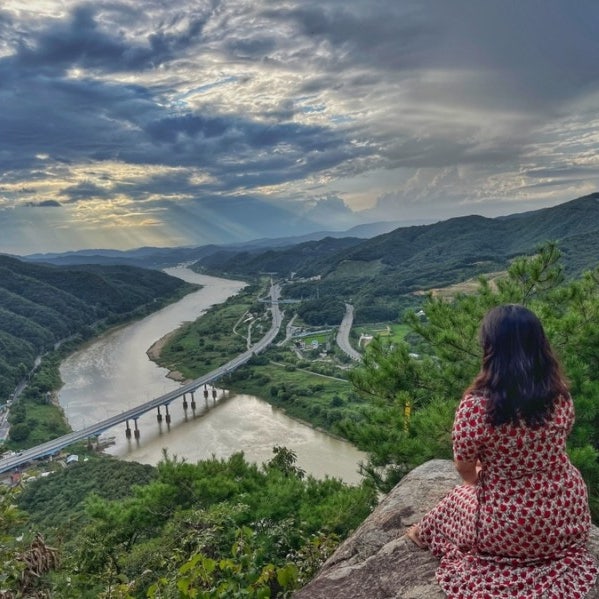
[(223, 123), (294, 239)]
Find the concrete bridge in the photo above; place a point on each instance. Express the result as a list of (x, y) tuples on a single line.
[(52, 447)]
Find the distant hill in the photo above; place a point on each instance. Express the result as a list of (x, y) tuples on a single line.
[(379, 265), (41, 304), (151, 257), (378, 273), (278, 260)]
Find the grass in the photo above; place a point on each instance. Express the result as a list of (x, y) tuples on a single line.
[(201, 346), (466, 287)]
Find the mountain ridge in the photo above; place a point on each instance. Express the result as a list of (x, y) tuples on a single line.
[(41, 304)]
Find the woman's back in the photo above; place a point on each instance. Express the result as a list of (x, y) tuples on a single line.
[(518, 526), (515, 451), (532, 501)]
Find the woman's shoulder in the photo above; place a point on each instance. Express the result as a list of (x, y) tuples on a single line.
[(563, 404), (473, 403), (474, 398)]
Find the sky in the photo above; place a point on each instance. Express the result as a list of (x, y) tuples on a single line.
[(129, 123)]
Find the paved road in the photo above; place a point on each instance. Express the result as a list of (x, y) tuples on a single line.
[(343, 334), (51, 447)]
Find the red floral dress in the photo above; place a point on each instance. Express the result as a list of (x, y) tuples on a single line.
[(521, 530)]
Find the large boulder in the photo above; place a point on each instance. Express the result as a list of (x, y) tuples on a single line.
[(379, 562)]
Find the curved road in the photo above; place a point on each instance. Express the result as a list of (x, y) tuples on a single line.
[(343, 334), (56, 445)]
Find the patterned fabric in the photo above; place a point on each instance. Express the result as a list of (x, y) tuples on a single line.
[(520, 531)]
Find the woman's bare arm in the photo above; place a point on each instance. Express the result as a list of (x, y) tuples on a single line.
[(468, 470)]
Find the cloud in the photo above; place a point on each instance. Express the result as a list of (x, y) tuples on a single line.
[(307, 111), (85, 191), (44, 204)]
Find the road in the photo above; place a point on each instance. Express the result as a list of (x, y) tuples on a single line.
[(343, 334), (52, 447)]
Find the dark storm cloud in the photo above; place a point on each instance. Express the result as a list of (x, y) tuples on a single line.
[(84, 191), (123, 122), (87, 119), (104, 121), (80, 41), (379, 34), (70, 120), (529, 55)]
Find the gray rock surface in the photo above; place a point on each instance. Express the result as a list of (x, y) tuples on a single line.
[(378, 561)]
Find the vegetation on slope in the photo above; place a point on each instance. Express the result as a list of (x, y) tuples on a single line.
[(379, 275), (218, 528), (41, 305)]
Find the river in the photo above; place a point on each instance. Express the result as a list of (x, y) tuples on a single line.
[(113, 373)]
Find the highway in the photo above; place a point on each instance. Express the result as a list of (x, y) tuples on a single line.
[(343, 334), (52, 447)]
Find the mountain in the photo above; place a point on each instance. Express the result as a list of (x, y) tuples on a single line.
[(42, 304), (152, 257), (277, 260), (378, 274), (378, 271)]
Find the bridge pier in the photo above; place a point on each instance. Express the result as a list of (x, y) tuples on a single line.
[(214, 394), (136, 431), (167, 416), (127, 430), (185, 404), (159, 415), (193, 402), (206, 393)]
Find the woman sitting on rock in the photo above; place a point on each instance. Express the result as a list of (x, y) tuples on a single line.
[(518, 526)]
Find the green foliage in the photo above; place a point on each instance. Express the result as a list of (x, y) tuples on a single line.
[(284, 461), (414, 397), (235, 577), (42, 304), (218, 528), (57, 503), (323, 311)]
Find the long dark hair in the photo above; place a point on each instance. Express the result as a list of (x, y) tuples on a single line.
[(520, 374)]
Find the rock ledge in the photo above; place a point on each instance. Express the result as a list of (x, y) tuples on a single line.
[(379, 562)]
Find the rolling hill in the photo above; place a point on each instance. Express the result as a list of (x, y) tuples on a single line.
[(380, 273), (42, 304)]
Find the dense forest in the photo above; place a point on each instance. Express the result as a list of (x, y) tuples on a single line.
[(41, 305)]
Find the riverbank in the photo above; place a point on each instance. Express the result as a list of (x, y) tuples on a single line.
[(113, 373), (155, 350), (313, 392), (37, 416)]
